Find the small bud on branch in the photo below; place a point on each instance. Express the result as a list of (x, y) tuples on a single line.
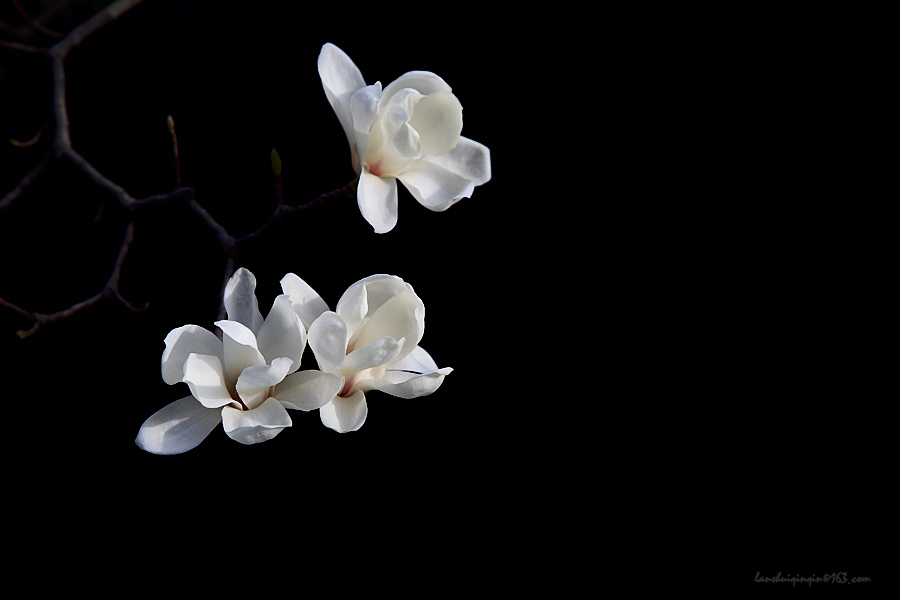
[(276, 163)]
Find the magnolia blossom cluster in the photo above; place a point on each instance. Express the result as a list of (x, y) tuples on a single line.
[(250, 378)]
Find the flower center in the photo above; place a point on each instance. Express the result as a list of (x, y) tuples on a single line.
[(348, 385), (352, 379), (375, 169)]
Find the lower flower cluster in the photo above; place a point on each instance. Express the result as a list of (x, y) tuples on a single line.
[(251, 377)]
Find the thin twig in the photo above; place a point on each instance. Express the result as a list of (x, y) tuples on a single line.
[(176, 195), (95, 23), (61, 139), (34, 24), (226, 240), (15, 308), (283, 209), (110, 290), (124, 199), (21, 47), (26, 181)]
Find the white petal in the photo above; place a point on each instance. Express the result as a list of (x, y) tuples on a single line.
[(366, 296), (240, 350), (257, 425), (307, 303), (282, 335), (254, 383), (440, 181), (434, 187), (178, 427), (406, 385), (354, 304), (394, 144), (240, 300), (438, 120), (328, 340), (345, 414), (308, 390), (376, 352), (340, 79), (402, 146), (417, 361), (469, 159), (423, 82), (204, 376), (363, 109), (377, 200), (180, 343), (403, 316)]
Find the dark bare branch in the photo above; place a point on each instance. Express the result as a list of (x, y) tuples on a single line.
[(110, 290), (283, 210), (36, 25), (21, 47), (112, 12), (124, 199), (62, 148), (26, 181)]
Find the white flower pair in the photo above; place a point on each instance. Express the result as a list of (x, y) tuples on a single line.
[(250, 377)]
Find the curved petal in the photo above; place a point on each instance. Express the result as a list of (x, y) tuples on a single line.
[(328, 340), (340, 79), (424, 82), (377, 200), (254, 383), (345, 414), (308, 390), (417, 361), (394, 143), (438, 120), (257, 425), (240, 300), (177, 427), (363, 109), (435, 187), (366, 296), (405, 385), (354, 304), (240, 350), (403, 316), (379, 351), (282, 335), (203, 374), (180, 343), (439, 181), (307, 303), (468, 159)]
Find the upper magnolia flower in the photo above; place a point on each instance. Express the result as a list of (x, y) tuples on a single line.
[(371, 343), (246, 380), (409, 131)]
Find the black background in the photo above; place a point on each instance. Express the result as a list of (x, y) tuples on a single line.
[(666, 312)]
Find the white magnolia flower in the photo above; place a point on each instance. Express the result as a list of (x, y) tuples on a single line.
[(371, 343), (409, 131), (246, 380)]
